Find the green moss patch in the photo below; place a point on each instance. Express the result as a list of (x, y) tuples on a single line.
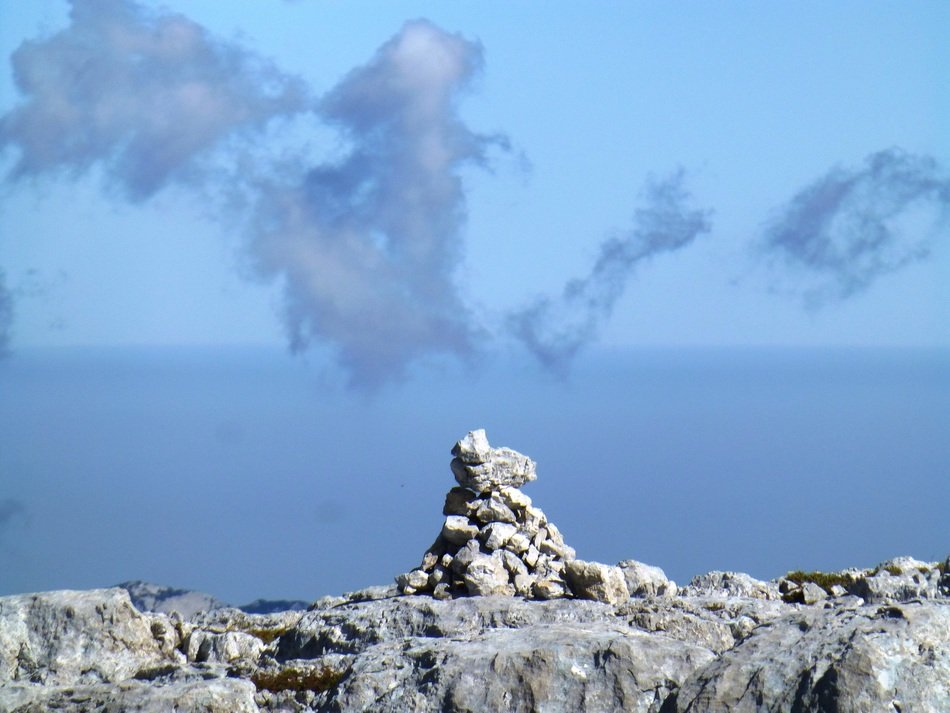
[(297, 679), (267, 635), (825, 580)]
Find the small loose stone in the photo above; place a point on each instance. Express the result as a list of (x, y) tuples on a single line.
[(457, 529), (496, 534)]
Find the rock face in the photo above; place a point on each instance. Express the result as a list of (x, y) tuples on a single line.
[(846, 659), (493, 540), (709, 649)]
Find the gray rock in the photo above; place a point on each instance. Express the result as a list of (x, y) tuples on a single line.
[(458, 501), (736, 584), (481, 468), (494, 510), (414, 581), (473, 448), (901, 579), (495, 535), (811, 593), (372, 650), (458, 530), (514, 498), (487, 576), (488, 505), (81, 637), (223, 695), (841, 659), (518, 543), (148, 597), (558, 668), (593, 580), (226, 647), (645, 580)]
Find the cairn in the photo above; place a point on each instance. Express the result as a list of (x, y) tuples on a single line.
[(493, 541)]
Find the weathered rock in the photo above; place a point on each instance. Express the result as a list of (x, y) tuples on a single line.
[(550, 587), (593, 580), (486, 576), (375, 650), (736, 584), (458, 501), (518, 543), (898, 580), (645, 580), (494, 510), (812, 593), (481, 468), (225, 647), (473, 448), (716, 622), (841, 659), (495, 535), (415, 580), (221, 695), (901, 579), (457, 530), (514, 498), (81, 637)]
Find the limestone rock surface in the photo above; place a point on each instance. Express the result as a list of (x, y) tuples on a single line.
[(81, 637), (865, 658), (378, 650)]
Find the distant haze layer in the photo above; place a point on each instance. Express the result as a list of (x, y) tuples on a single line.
[(246, 473)]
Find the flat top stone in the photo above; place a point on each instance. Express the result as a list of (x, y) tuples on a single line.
[(481, 468)]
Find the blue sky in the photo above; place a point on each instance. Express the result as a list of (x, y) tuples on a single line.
[(402, 189), (755, 104)]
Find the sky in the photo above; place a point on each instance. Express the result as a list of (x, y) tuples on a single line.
[(384, 197)]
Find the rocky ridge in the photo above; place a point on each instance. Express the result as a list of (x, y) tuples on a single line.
[(149, 597), (875, 639)]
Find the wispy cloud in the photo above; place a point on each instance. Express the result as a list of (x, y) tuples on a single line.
[(848, 228), (145, 95), (368, 245), (6, 317), (554, 329)]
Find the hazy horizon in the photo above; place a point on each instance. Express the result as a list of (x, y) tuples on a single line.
[(241, 473)]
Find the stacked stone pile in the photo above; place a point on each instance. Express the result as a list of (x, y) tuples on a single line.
[(493, 541)]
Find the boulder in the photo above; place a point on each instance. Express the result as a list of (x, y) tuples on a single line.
[(593, 580), (481, 468), (81, 637), (846, 659), (645, 580)]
